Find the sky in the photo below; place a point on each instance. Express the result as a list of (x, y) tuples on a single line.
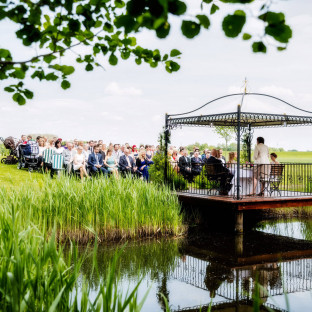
[(127, 103)]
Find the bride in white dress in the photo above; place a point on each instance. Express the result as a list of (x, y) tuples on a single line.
[(80, 163)]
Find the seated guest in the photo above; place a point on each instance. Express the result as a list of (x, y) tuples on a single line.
[(221, 157), (91, 146), (104, 149), (23, 139), (101, 150), (273, 157), (196, 163), (185, 164), (121, 152), (116, 152), (45, 141), (203, 156), (135, 152), (174, 159), (126, 162), (149, 153), (175, 155), (143, 164), (111, 163), (131, 153), (231, 158), (95, 161), (208, 154), (42, 147), (220, 172), (86, 150), (68, 155), (75, 143), (79, 163), (58, 147), (47, 156), (58, 150), (181, 153)]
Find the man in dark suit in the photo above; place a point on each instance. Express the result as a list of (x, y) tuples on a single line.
[(219, 172), (196, 163), (96, 162), (185, 165), (184, 162), (126, 163)]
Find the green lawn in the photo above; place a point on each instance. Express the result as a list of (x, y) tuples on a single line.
[(11, 176), (291, 157), (295, 157)]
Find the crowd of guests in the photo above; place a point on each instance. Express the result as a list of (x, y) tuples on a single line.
[(94, 157), (217, 167)]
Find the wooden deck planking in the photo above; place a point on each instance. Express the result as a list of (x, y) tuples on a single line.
[(248, 203)]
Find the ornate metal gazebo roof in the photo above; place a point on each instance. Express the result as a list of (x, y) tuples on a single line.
[(253, 120), (246, 119)]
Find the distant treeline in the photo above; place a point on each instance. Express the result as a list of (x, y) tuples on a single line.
[(232, 147)]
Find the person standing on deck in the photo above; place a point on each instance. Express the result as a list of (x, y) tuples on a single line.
[(262, 164)]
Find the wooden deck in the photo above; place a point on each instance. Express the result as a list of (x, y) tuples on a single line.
[(211, 203), (247, 202)]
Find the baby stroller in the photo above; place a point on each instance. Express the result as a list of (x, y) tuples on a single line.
[(10, 143), (29, 156)]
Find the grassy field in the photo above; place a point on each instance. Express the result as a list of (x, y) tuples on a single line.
[(291, 157), (295, 157)]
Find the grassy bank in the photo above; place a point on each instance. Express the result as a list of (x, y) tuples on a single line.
[(109, 208)]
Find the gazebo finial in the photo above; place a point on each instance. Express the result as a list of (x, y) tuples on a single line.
[(245, 85)]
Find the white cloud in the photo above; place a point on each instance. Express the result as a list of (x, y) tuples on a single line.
[(115, 89)]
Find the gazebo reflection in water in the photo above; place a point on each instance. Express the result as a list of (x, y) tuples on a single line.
[(232, 279)]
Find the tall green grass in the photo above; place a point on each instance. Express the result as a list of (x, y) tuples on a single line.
[(34, 275), (109, 208)]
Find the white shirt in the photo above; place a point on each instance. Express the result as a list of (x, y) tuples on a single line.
[(41, 150), (86, 154), (59, 150)]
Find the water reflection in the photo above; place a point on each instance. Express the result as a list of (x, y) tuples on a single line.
[(220, 269), (289, 227)]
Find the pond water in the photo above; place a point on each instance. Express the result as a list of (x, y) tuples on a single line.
[(221, 269)]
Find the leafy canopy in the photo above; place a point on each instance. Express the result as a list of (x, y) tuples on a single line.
[(108, 28)]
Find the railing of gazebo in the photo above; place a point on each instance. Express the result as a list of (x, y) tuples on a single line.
[(268, 180)]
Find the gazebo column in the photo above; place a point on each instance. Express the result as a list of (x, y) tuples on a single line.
[(238, 130), (249, 143), (166, 138)]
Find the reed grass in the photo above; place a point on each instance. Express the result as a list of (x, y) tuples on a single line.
[(109, 208), (34, 275)]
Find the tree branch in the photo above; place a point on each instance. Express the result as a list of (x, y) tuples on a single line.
[(47, 54)]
